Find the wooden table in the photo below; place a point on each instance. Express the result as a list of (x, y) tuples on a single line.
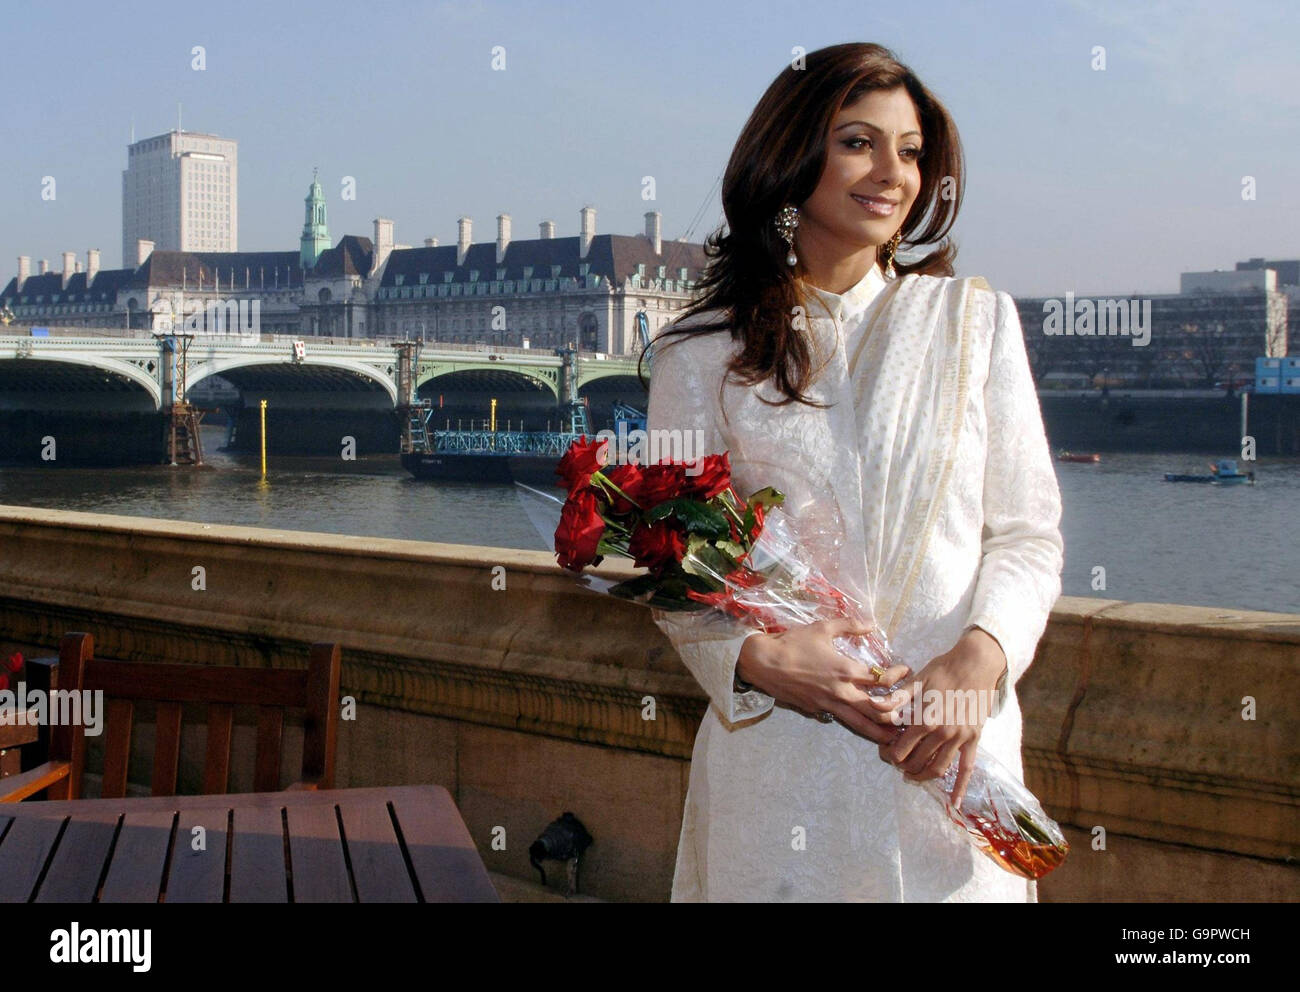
[(392, 844)]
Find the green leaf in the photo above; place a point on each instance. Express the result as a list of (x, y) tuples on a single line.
[(731, 548), (668, 592), (700, 518), (709, 562), (660, 510), (767, 496)]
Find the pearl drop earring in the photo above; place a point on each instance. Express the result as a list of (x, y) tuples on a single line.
[(786, 222)]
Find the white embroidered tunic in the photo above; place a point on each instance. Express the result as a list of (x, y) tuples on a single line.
[(933, 466)]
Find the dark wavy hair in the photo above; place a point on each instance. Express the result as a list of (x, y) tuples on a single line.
[(779, 159)]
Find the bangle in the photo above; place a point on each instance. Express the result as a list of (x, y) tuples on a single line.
[(740, 685)]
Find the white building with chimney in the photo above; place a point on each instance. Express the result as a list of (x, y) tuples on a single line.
[(537, 292), (586, 289)]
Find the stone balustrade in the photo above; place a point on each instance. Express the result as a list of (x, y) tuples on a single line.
[(1163, 738)]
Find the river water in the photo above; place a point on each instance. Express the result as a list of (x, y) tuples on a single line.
[(1233, 547)]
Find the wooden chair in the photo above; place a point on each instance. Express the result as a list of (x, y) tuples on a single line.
[(59, 754)]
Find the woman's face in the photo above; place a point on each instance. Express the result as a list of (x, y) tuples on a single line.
[(871, 178)]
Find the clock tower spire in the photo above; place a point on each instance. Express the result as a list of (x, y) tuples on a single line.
[(315, 235)]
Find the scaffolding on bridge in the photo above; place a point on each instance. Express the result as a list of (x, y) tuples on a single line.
[(181, 419)]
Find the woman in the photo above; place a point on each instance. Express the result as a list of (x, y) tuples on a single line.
[(894, 406)]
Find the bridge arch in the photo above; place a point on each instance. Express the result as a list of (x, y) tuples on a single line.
[(199, 371), (127, 370), (485, 377), (594, 372)]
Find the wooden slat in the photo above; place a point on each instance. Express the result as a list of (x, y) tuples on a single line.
[(166, 748), (198, 876), (23, 853), (446, 862), (321, 720), (18, 787), (378, 867), (18, 732), (244, 800), (61, 743), (139, 857), (117, 747), (197, 683), (316, 855), (257, 868), (78, 864), (266, 769), (216, 766)]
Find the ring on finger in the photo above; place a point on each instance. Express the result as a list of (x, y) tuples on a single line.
[(825, 716)]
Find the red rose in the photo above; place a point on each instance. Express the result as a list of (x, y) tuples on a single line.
[(658, 545), (628, 479), (758, 522), (708, 476), (580, 531), (582, 458), (660, 483), (15, 662)]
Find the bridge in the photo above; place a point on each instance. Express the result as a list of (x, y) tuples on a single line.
[(146, 370)]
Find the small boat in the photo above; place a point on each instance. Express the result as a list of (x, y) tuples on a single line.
[(1224, 473), (1077, 456), (507, 456)]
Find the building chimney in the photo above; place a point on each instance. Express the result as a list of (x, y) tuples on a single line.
[(431, 242), (383, 243), (653, 223), (143, 249), (587, 229), (464, 230), (503, 236), (24, 270), (92, 264), (548, 229), (78, 267), (44, 266), (69, 266)]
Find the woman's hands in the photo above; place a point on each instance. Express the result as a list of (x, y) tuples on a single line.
[(801, 668), (963, 681)]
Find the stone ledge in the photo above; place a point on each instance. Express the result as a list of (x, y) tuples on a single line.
[(1132, 711)]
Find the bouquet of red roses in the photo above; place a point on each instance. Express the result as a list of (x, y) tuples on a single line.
[(704, 547)]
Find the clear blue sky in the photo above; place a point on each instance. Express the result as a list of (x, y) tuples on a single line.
[(1099, 182)]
